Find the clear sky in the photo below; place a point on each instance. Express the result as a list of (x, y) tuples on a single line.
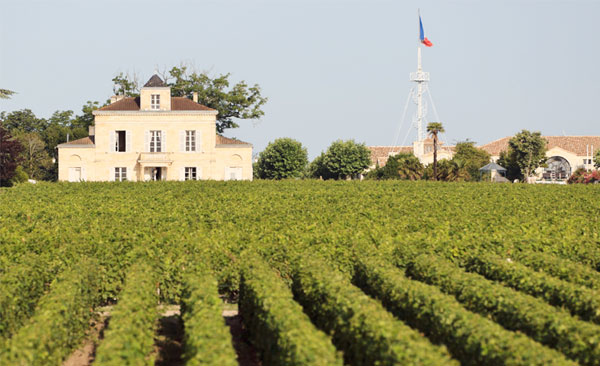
[(332, 69)]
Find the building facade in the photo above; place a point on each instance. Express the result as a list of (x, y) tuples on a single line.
[(154, 137)]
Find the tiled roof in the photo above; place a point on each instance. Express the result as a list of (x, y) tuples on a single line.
[(222, 140), (89, 140), (155, 82), (575, 144), (177, 104)]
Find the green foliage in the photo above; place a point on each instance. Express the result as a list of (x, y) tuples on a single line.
[(360, 326), (20, 175), (473, 339), (207, 339), (342, 160), (528, 150), (5, 93), (59, 322), (448, 171), (282, 158), (401, 166), (276, 324), (472, 157), (597, 159), (515, 311), (34, 157), (129, 338), (508, 161), (560, 267), (10, 156), (579, 300)]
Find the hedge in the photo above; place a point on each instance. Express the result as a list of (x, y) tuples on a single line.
[(361, 327), (546, 324), (207, 340), (276, 323), (129, 338), (472, 338)]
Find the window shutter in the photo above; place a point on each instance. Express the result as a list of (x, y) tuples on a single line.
[(111, 174), (111, 147), (198, 173), (182, 140), (146, 141), (182, 173), (163, 143), (198, 141), (128, 141)]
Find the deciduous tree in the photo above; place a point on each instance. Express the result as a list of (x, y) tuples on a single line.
[(10, 156), (471, 157), (344, 159), (528, 150), (282, 158), (597, 159)]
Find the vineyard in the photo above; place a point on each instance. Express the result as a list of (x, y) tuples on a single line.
[(311, 273)]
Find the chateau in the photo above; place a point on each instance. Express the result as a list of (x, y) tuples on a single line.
[(154, 137)]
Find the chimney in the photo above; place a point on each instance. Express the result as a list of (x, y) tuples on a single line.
[(195, 97)]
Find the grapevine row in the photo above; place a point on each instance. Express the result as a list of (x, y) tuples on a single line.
[(579, 300), (472, 338), (276, 323), (515, 311), (361, 327)]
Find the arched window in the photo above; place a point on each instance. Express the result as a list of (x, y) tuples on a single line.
[(558, 168)]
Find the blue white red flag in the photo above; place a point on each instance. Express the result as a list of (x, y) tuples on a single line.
[(422, 37)]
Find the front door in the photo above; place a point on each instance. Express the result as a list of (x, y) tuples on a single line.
[(157, 173)]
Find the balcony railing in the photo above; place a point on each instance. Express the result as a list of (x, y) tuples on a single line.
[(155, 158)]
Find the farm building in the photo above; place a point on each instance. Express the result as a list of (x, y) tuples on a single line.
[(155, 136), (565, 154)]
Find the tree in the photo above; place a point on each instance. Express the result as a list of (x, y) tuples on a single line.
[(317, 169), (34, 155), (507, 160), (22, 121), (343, 159), (597, 159), (402, 166), (5, 93), (282, 158), (237, 102), (448, 171), (433, 129), (528, 149), (10, 156), (471, 157)]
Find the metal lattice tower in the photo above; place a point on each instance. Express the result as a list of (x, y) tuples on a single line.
[(421, 78)]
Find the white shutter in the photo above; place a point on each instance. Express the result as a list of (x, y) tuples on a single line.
[(198, 173), (111, 174), (182, 140), (146, 141), (111, 147), (128, 141), (182, 173), (198, 141), (163, 143)]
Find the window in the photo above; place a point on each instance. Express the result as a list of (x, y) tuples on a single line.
[(190, 173), (120, 141), (190, 140), (155, 141), (75, 174), (155, 101), (233, 173), (120, 174)]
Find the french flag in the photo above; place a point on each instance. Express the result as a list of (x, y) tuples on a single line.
[(424, 39)]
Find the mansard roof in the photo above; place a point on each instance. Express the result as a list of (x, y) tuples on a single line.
[(177, 104), (579, 145), (155, 82)]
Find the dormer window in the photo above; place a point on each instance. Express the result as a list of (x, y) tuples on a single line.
[(155, 101)]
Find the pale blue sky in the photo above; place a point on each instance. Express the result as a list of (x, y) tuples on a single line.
[(330, 68)]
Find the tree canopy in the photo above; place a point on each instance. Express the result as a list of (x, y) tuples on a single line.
[(597, 159), (472, 157), (282, 158), (342, 160), (401, 166), (238, 101), (528, 151), (10, 156), (5, 93)]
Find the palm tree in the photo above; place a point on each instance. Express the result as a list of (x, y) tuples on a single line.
[(433, 128)]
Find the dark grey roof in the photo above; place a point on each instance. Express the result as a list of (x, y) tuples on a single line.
[(492, 166), (155, 82)]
